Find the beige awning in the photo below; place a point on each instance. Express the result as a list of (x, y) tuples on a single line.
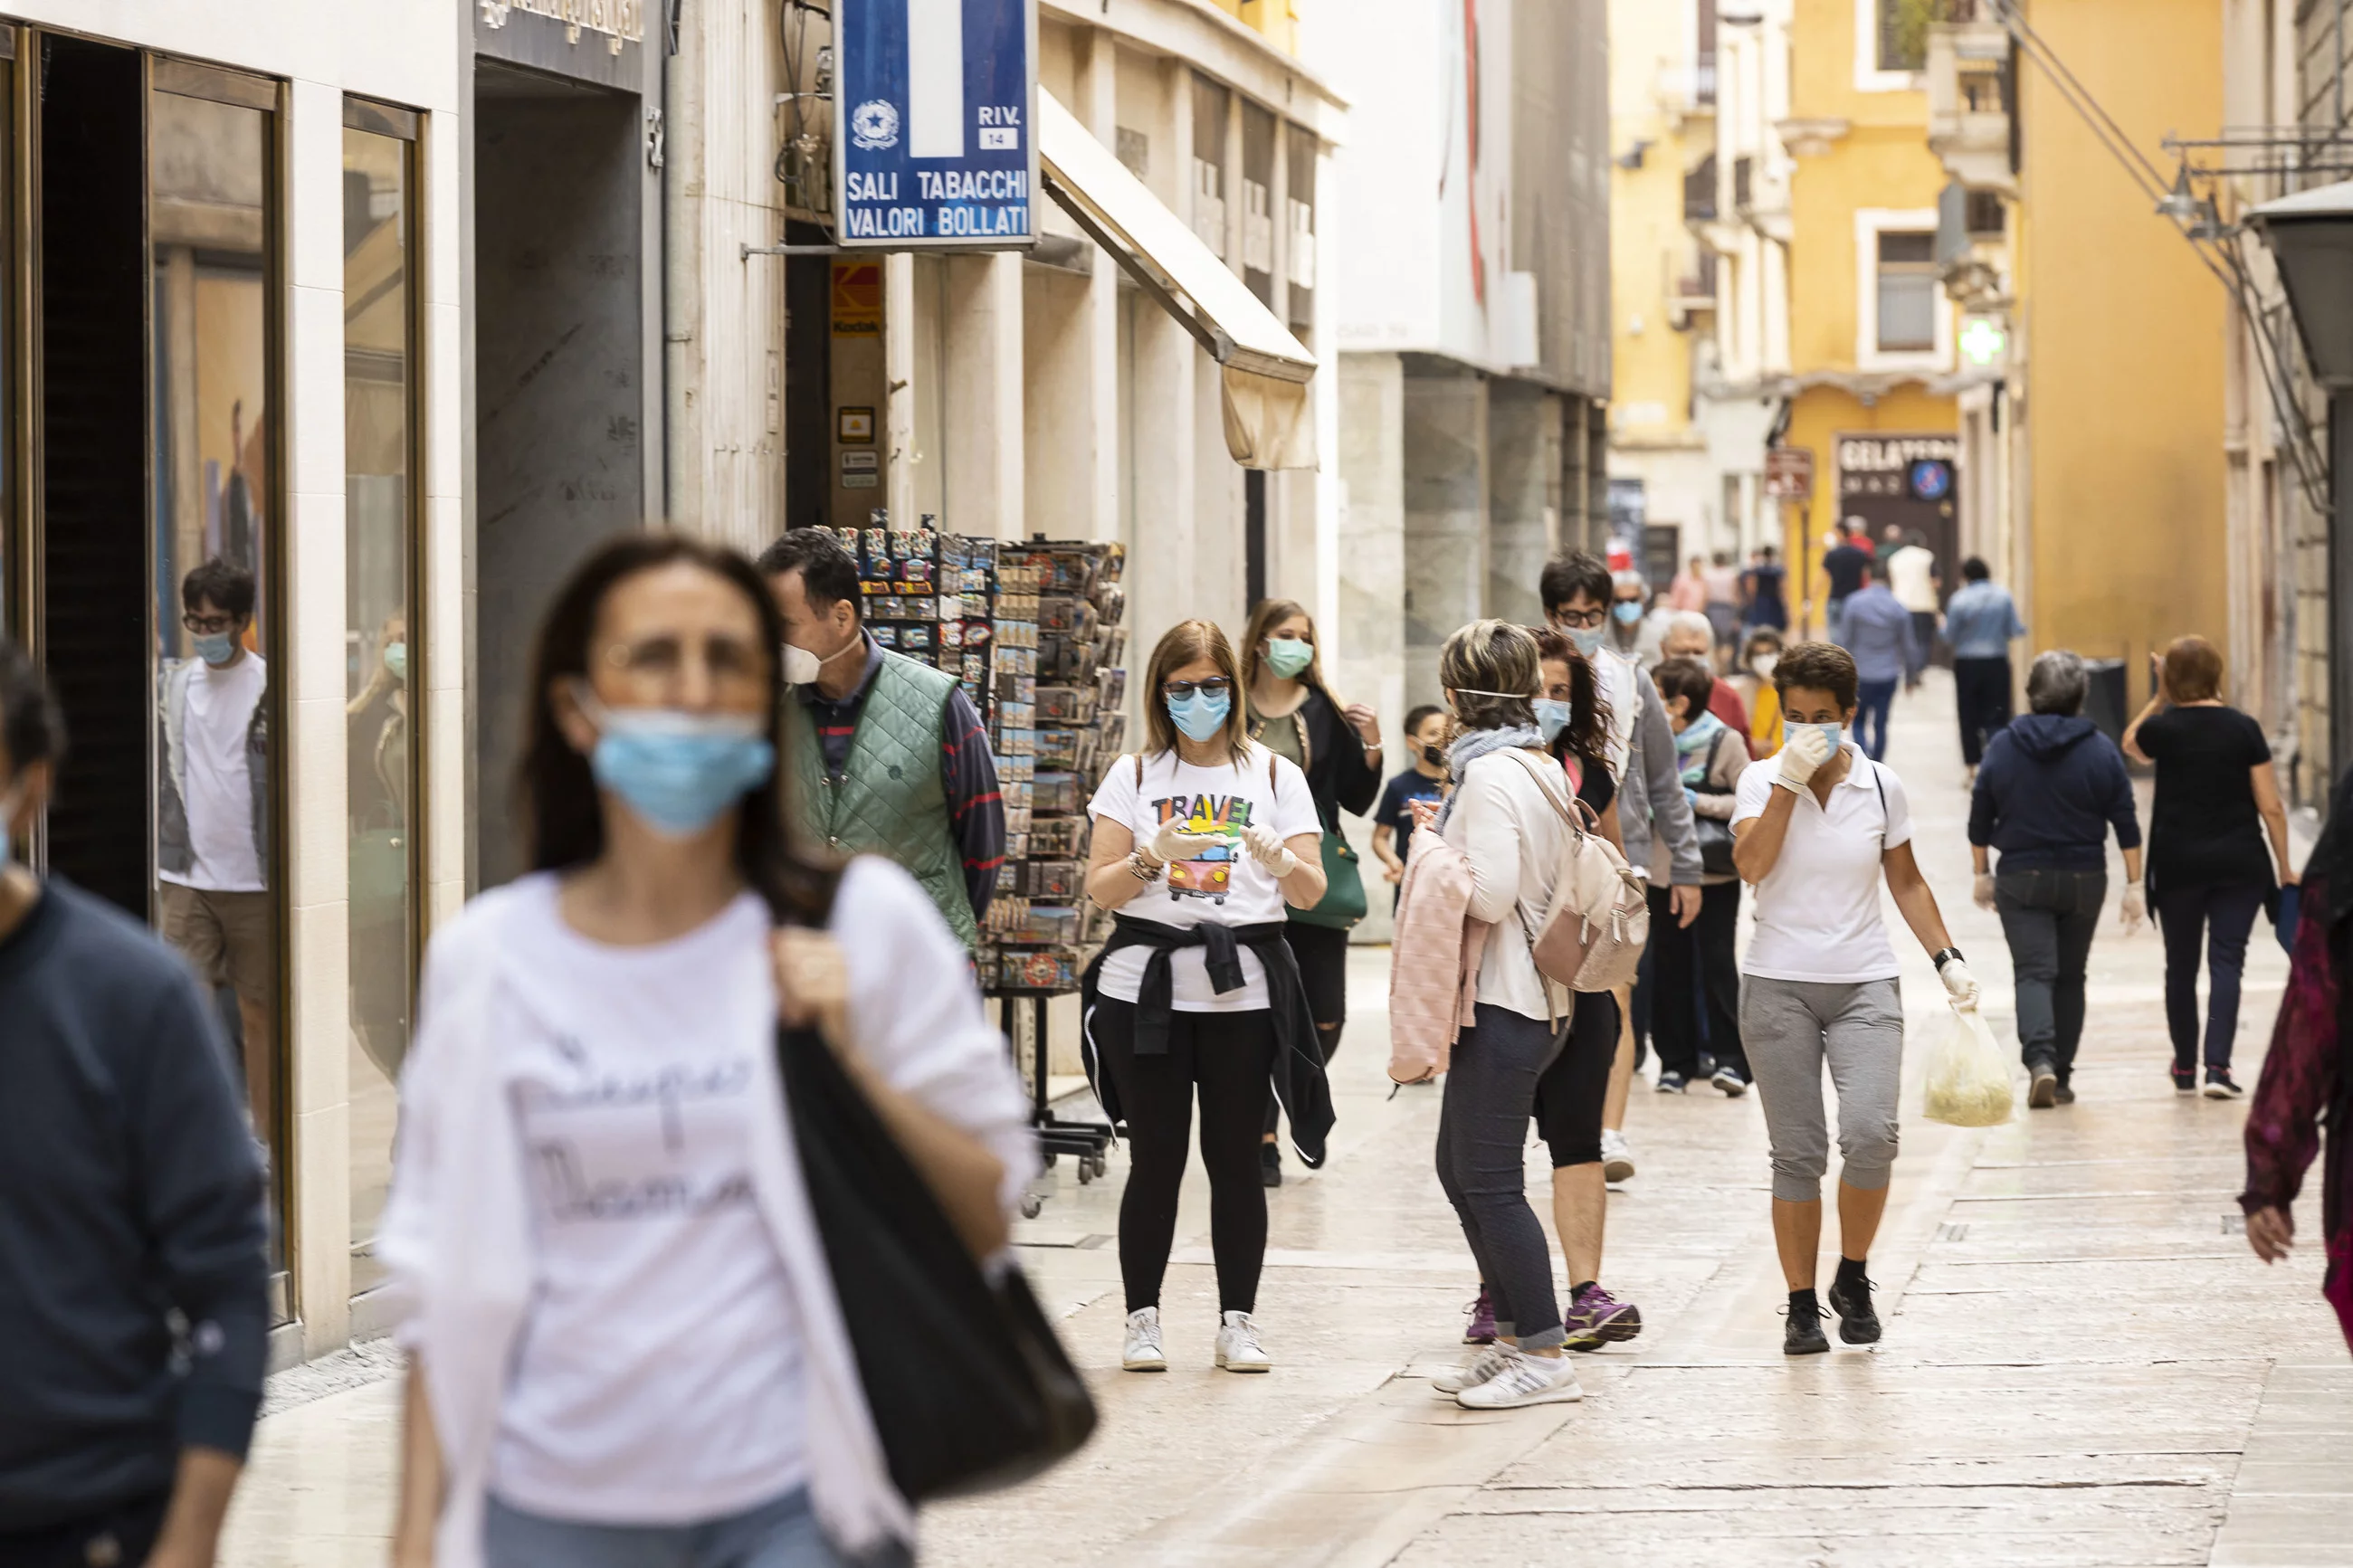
[(1264, 370)]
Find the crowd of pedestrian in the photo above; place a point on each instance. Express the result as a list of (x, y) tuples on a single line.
[(750, 823)]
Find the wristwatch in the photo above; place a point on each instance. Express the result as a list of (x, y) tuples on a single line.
[(1943, 956)]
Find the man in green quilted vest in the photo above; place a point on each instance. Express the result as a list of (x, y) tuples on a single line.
[(887, 754)]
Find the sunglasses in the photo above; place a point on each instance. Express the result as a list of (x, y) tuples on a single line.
[(1183, 691)]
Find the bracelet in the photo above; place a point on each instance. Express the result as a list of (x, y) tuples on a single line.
[(1943, 956), (1144, 867)]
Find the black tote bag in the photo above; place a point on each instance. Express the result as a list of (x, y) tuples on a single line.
[(968, 1384)]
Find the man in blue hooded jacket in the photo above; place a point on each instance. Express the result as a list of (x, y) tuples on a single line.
[(2051, 788)]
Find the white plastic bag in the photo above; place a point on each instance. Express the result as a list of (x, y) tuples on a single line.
[(1969, 1077)]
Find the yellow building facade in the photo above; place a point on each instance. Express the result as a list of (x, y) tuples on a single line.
[(1871, 331)]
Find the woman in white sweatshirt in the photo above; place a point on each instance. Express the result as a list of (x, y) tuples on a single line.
[(1506, 816), (626, 1345)]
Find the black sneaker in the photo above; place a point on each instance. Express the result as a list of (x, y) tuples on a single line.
[(1270, 1165), (1802, 1334), (2042, 1085), (2064, 1094), (2220, 1085), (1858, 1322), (1670, 1081), (1731, 1080), (1706, 1067), (2185, 1080)]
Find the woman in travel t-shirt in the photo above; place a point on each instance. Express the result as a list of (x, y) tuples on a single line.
[(1201, 842), (2208, 863)]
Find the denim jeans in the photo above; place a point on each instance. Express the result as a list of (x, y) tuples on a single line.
[(1873, 699), (782, 1533), (2184, 916), (1482, 1137), (2049, 918)]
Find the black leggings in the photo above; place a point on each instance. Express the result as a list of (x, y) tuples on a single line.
[(1570, 1093), (1322, 955), (1228, 1056)]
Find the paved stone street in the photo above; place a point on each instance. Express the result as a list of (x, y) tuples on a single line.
[(2084, 1363)]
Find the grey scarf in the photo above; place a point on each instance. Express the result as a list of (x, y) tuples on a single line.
[(1477, 743)]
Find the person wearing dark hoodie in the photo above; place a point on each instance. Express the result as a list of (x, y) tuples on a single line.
[(2051, 787)]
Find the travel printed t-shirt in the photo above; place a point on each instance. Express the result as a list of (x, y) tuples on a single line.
[(1818, 911), (658, 1378), (1223, 885)]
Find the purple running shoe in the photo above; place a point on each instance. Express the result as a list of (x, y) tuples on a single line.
[(1596, 1318), (1481, 1328)]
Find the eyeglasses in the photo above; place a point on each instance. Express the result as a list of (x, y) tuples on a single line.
[(1578, 620), (208, 625), (1183, 691), (732, 664)]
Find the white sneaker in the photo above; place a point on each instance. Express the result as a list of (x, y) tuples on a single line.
[(1529, 1380), (1144, 1353), (1617, 1156), (1490, 1360), (1237, 1346)]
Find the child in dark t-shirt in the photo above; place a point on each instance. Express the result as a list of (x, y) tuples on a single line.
[(1425, 729)]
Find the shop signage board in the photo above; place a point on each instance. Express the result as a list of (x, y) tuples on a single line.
[(934, 142), (1789, 473)]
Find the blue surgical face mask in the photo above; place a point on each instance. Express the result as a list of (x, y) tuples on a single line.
[(1588, 639), (1628, 612), (1201, 715), (1834, 734), (1287, 656), (1552, 717), (677, 772), (218, 648), (395, 660)]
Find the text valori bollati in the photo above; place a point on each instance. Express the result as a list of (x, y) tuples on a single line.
[(963, 203), (621, 21)]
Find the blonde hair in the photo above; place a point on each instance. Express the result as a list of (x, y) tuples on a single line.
[(1489, 657), (1184, 642)]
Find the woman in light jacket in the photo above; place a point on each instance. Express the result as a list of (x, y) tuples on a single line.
[(625, 1342), (1507, 817)]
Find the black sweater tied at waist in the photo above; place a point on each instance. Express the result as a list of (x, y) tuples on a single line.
[(1297, 1073)]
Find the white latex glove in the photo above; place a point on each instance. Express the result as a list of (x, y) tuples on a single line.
[(2134, 907), (1266, 847), (1174, 842), (1807, 750), (1960, 983), (1982, 890)]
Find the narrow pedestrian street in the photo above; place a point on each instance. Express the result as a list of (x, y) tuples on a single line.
[(2084, 1363)]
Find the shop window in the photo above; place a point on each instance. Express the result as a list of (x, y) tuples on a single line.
[(1907, 292), (1209, 111), (382, 639)]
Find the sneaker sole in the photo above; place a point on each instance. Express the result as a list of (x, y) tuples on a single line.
[(1478, 1340), (1617, 1170), (1225, 1365), (1627, 1326), (1160, 1365), (2043, 1092), (1569, 1395), (2216, 1091), (1819, 1347), (1733, 1088)]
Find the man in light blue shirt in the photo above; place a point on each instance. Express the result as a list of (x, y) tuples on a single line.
[(1877, 629), (1979, 621)]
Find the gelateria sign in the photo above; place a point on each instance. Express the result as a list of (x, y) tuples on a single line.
[(618, 22)]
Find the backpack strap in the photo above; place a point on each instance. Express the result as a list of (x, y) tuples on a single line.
[(1577, 818)]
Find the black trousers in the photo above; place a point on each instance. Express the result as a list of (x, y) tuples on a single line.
[(1697, 999), (2184, 915), (1226, 1058), (1322, 955), (124, 1534), (1570, 1093), (2049, 918), (1981, 693)]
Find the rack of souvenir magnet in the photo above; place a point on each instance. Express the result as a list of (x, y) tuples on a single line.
[(926, 594), (1056, 719)]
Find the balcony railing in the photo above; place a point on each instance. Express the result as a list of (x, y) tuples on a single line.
[(1969, 96), (1699, 192)]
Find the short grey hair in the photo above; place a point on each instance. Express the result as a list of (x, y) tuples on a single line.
[(2057, 683), (1629, 579), (1691, 623)]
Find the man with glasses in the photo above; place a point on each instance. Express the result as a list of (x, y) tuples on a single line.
[(886, 753), (1653, 814), (212, 813), (131, 1195)]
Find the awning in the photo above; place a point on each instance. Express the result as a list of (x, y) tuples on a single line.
[(1264, 370)]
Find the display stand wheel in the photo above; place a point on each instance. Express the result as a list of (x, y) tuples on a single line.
[(1031, 1205)]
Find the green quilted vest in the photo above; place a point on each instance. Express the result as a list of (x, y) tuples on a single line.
[(889, 800)]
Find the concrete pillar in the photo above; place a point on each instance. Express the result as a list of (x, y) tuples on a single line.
[(982, 376), (1367, 661), (1524, 426), (1446, 518)]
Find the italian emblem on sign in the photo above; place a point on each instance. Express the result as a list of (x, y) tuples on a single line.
[(875, 125)]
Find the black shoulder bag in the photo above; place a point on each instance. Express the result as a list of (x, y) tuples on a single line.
[(969, 1386)]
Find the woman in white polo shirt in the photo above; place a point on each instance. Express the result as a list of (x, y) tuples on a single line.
[(1814, 829)]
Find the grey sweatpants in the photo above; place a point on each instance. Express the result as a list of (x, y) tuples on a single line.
[(1790, 1028)]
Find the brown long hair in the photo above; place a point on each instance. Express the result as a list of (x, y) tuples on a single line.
[(1587, 738), (563, 815), (1179, 646), (1270, 614)]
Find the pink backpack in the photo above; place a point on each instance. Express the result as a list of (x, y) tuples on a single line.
[(1433, 959), (1600, 917)]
